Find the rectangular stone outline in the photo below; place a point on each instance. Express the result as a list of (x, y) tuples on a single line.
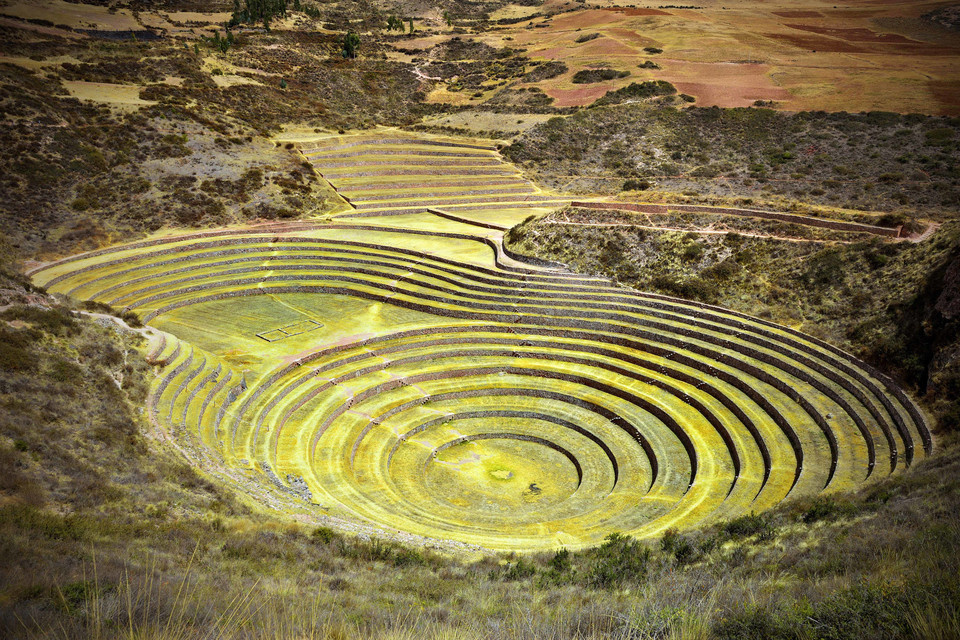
[(286, 331)]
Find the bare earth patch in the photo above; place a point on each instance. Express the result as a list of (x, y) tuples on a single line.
[(115, 95)]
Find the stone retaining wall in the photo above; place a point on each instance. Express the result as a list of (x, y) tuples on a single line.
[(410, 141), (809, 221)]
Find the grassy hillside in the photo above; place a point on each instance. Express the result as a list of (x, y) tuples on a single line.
[(873, 161)]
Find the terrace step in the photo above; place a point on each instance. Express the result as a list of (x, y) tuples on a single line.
[(414, 161), (506, 201), (339, 144), (360, 198), (353, 173), (184, 383), (412, 152), (604, 409), (370, 212), (445, 182)]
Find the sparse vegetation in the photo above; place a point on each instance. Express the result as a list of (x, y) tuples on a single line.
[(546, 71), (588, 76), (636, 91), (760, 154)]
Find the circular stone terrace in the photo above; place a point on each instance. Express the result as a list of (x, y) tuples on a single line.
[(408, 372)]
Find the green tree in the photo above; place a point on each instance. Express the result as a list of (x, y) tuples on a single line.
[(350, 43), (411, 25), (247, 11)]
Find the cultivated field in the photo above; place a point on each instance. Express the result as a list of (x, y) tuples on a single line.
[(409, 373), (859, 56)]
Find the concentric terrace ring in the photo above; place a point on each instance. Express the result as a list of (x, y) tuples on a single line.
[(515, 406)]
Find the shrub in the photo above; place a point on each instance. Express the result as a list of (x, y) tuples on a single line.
[(939, 137), (324, 535), (73, 596), (589, 76), (519, 570), (692, 252), (96, 307), (754, 622), (636, 185), (747, 525), (825, 267), (827, 508), (15, 352), (57, 320), (722, 270), (620, 559), (80, 204), (43, 523), (684, 552), (587, 37), (546, 71), (408, 557), (131, 318), (560, 561), (669, 540), (65, 371), (636, 91), (350, 43)]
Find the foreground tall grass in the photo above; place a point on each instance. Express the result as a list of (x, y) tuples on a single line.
[(884, 563)]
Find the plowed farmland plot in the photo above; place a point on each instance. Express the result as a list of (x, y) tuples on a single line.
[(407, 374)]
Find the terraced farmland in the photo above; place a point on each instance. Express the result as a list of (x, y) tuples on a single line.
[(388, 171), (409, 373)]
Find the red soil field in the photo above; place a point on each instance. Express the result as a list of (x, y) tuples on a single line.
[(606, 47), (728, 95), (633, 11), (947, 93), (817, 43), (577, 97), (630, 36), (725, 84), (856, 35)]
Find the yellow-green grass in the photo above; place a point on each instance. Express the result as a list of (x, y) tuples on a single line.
[(413, 377)]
